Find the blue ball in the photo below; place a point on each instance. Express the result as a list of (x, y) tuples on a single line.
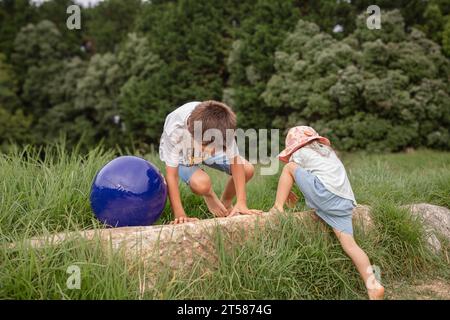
[(128, 191)]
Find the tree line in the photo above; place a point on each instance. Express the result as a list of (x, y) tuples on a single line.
[(278, 63)]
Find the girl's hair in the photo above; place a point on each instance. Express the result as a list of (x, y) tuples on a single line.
[(320, 148)]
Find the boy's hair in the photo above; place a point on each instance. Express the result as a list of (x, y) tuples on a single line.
[(213, 115)]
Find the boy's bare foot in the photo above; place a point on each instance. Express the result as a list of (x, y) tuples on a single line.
[(228, 204), (181, 220), (229, 209), (377, 293), (215, 206)]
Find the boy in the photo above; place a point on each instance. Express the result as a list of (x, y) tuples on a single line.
[(203, 133)]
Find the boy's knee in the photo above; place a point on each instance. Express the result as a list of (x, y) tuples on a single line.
[(200, 183)]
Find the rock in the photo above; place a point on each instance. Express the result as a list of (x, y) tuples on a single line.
[(362, 218), (178, 246), (182, 245), (436, 221)]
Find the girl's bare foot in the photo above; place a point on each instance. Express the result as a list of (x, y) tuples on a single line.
[(376, 293)]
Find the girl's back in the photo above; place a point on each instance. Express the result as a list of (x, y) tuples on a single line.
[(322, 161)]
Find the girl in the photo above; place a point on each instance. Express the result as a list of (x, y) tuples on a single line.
[(322, 179)]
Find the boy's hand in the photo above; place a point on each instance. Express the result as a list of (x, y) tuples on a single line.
[(183, 219), (242, 209), (175, 198)]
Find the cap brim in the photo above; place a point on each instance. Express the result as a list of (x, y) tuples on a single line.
[(286, 154), (324, 141)]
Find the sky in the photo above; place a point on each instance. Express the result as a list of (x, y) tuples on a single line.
[(83, 3)]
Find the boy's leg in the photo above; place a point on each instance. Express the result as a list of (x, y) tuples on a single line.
[(285, 185), (200, 184), (361, 260), (230, 191)]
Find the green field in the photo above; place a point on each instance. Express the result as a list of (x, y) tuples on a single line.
[(47, 190)]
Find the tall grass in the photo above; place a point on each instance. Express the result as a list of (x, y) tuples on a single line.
[(47, 190)]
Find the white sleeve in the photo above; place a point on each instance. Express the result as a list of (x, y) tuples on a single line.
[(300, 157), (232, 150), (169, 152)]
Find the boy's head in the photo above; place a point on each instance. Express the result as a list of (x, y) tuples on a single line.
[(216, 118)]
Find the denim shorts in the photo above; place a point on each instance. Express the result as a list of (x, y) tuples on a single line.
[(334, 210), (219, 162)]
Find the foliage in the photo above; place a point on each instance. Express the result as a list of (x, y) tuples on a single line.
[(133, 62), (446, 39), (14, 125), (377, 90), (250, 62), (108, 23), (192, 37), (8, 84), (14, 14), (37, 57)]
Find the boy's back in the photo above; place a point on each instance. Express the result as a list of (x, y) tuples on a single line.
[(175, 135)]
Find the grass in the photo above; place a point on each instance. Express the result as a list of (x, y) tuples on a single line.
[(46, 190)]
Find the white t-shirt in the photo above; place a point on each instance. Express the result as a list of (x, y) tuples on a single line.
[(176, 145), (327, 167)]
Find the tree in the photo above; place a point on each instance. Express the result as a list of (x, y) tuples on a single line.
[(250, 62), (435, 20), (145, 97), (37, 57), (64, 116), (108, 23), (96, 97), (446, 39), (8, 85), (375, 91), (14, 125), (193, 38), (56, 12), (14, 14), (113, 97)]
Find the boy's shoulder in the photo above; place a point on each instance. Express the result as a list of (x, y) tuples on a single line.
[(176, 120), (184, 110)]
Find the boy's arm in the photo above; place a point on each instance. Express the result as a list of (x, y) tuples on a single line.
[(174, 196), (238, 174)]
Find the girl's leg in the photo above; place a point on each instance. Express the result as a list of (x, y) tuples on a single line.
[(285, 185), (374, 289)]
